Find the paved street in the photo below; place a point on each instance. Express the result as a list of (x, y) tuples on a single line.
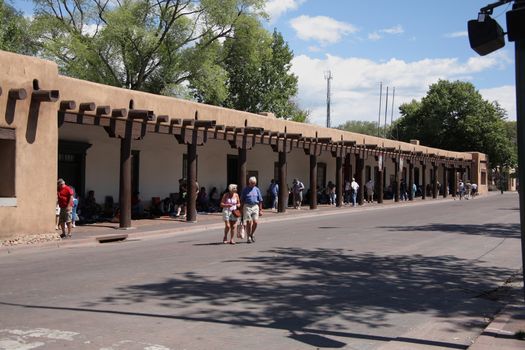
[(416, 276)]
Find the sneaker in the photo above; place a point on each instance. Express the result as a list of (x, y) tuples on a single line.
[(62, 235), (253, 239), (249, 240)]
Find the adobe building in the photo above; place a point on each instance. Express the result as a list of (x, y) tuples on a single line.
[(116, 141)]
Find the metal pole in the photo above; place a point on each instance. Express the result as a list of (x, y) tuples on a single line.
[(386, 108), (328, 76), (520, 114), (379, 118), (392, 113), (392, 109)]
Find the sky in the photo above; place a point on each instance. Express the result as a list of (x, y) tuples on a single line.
[(405, 45)]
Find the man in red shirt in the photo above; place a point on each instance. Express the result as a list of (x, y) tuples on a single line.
[(65, 202)]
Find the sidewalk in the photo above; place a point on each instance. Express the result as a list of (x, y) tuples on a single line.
[(149, 228)]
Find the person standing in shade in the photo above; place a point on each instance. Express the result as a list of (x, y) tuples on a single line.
[(74, 215), (403, 190), (274, 194), (251, 204), (330, 189), (355, 188), (65, 202), (297, 191), (370, 191)]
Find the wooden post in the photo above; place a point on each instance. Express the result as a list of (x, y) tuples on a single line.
[(339, 180), (397, 189), (313, 181), (410, 179), (360, 178), (454, 181), (125, 179), (241, 169), (191, 203), (424, 180), (381, 180), (435, 184), (445, 181), (283, 186)]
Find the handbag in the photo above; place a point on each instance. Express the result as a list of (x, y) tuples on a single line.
[(241, 232), (236, 213)]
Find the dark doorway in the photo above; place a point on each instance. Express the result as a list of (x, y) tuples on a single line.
[(321, 175), (416, 177), (72, 164)]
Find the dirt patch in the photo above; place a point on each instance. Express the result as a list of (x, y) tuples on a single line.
[(30, 239)]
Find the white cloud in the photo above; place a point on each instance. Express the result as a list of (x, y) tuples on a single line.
[(355, 84), (398, 29), (506, 97), (457, 35), (323, 29), (374, 36), (377, 35), (314, 48), (275, 8)]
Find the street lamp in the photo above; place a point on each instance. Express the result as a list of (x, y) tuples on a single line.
[(486, 36)]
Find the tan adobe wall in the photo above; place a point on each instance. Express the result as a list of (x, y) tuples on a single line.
[(36, 147), (480, 171)]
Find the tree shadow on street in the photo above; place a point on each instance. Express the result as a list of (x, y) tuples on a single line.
[(488, 230), (319, 291)]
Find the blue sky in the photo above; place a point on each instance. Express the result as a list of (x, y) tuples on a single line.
[(406, 44)]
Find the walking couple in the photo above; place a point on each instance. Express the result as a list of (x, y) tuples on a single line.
[(249, 205)]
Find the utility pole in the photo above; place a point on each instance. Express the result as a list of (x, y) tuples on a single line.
[(328, 76), (392, 112), (519, 47), (386, 108), (379, 118)]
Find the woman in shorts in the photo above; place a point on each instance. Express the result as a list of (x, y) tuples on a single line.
[(230, 212)]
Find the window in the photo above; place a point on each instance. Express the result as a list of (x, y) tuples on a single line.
[(483, 178), (8, 166)]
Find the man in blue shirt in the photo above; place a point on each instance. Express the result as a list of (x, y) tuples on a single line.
[(251, 203)]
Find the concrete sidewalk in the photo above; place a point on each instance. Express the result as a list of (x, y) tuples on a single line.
[(165, 225), (501, 333)]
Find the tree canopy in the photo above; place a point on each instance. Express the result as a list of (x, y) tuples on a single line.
[(15, 33), (454, 116), (214, 51), (136, 44), (360, 127)]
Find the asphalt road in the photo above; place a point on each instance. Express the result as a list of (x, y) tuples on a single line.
[(408, 277)]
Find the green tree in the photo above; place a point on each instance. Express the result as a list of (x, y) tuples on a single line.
[(454, 116), (259, 72), (360, 127), (147, 45), (15, 35)]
